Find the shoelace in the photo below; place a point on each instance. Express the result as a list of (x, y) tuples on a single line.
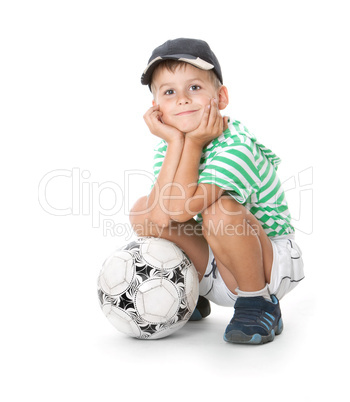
[(254, 316), (247, 315)]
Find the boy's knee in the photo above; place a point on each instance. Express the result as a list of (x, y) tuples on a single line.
[(224, 211), (139, 217), (138, 212), (141, 220)]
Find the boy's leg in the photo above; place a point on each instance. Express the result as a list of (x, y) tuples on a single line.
[(245, 252), (240, 245)]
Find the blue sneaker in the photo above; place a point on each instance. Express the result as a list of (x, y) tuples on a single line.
[(255, 321), (202, 309)]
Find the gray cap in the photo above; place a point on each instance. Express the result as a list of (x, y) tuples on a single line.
[(193, 51)]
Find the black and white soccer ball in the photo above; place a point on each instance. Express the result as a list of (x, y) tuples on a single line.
[(148, 289)]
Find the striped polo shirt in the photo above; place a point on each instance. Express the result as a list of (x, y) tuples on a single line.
[(246, 170)]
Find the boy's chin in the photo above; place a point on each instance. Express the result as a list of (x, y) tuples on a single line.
[(186, 128)]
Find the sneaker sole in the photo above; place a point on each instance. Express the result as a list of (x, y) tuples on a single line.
[(196, 315), (201, 312), (256, 339)]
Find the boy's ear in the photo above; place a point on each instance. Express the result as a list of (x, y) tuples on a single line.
[(223, 97), (154, 103)]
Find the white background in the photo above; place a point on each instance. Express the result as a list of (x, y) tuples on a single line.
[(71, 101)]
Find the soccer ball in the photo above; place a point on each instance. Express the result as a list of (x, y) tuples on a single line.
[(149, 288)]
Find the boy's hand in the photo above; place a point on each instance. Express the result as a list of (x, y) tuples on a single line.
[(211, 126), (153, 119)]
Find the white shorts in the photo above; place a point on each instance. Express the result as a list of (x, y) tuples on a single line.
[(287, 271)]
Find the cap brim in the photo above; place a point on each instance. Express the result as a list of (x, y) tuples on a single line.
[(197, 62)]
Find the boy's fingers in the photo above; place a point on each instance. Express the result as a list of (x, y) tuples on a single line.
[(151, 110), (206, 115), (213, 112), (157, 116), (216, 120), (218, 126)]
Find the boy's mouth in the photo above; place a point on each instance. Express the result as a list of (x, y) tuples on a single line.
[(186, 112)]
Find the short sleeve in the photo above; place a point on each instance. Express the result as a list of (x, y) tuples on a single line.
[(234, 170), (158, 158)]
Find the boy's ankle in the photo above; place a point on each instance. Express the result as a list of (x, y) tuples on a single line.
[(264, 292)]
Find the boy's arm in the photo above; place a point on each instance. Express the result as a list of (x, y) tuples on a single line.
[(158, 199), (188, 198)]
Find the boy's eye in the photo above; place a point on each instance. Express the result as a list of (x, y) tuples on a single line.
[(194, 87), (169, 92)]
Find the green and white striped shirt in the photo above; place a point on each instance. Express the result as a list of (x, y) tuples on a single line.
[(246, 169)]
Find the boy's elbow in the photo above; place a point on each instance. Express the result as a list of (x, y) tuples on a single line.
[(164, 219), (160, 221), (181, 217), (181, 212)]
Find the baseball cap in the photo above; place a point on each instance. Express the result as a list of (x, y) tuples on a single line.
[(193, 51)]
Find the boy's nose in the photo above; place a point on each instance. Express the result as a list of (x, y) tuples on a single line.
[(183, 99)]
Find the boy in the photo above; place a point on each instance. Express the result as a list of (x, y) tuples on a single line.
[(216, 194)]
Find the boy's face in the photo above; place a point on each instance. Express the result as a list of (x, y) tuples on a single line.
[(183, 95)]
